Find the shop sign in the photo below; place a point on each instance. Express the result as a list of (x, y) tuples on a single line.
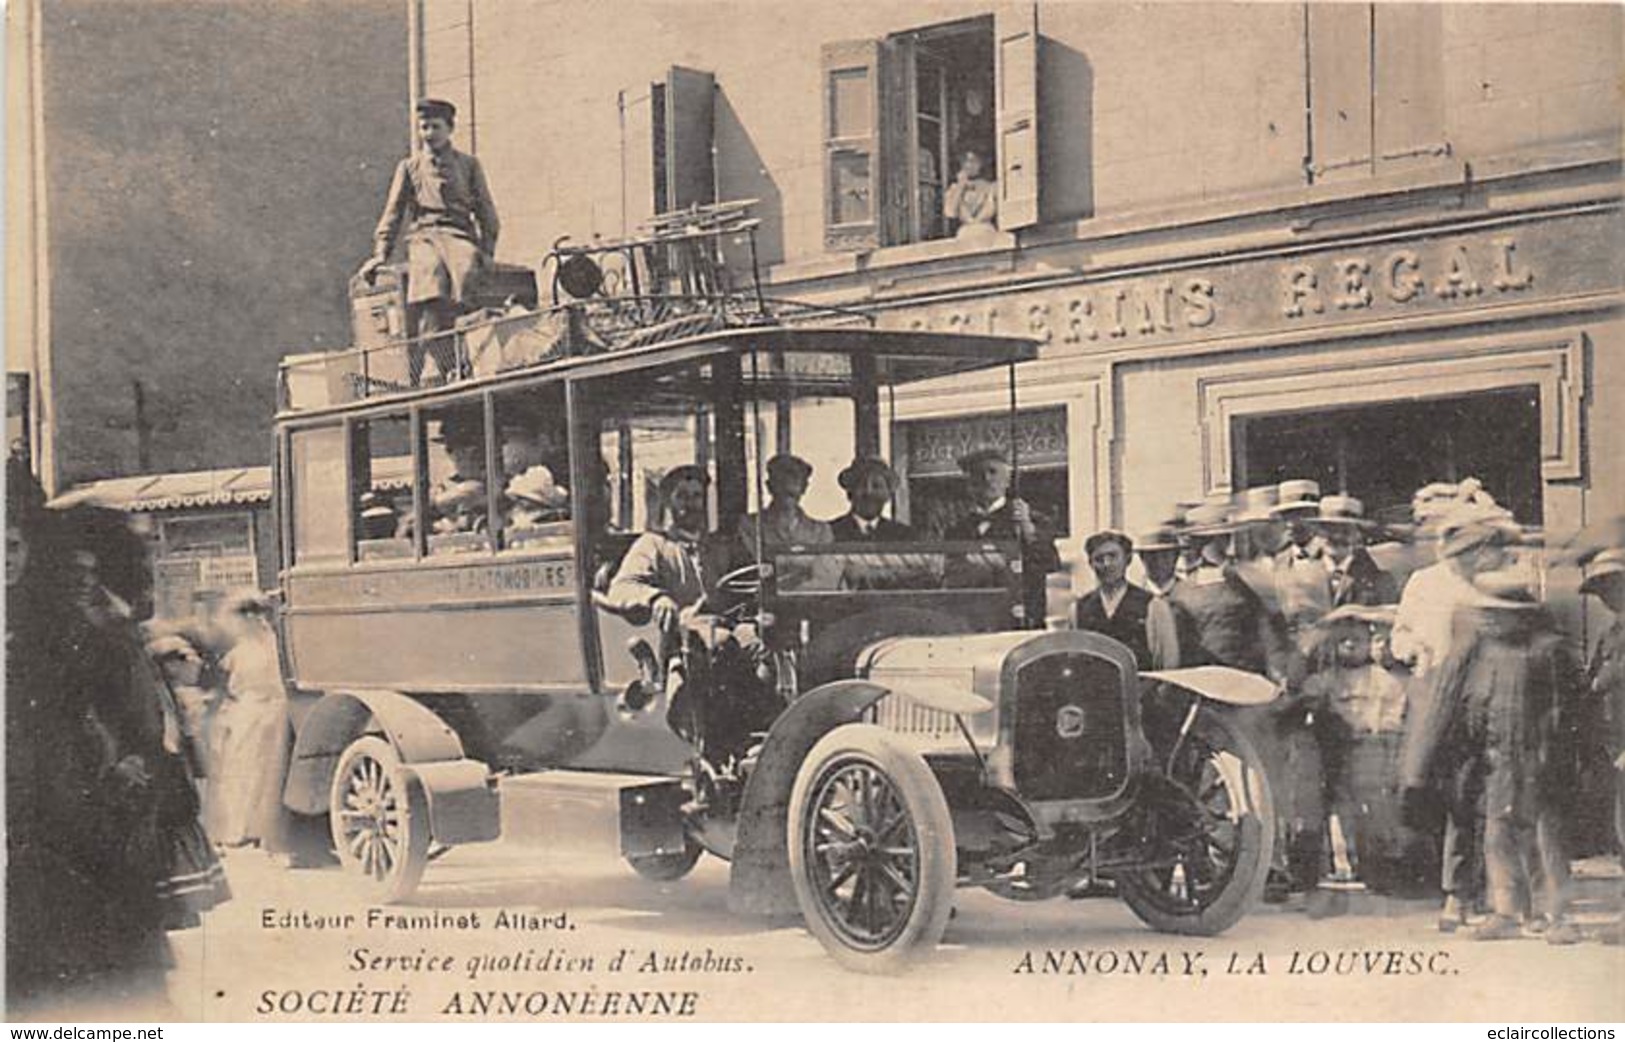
[(1378, 280), (935, 446)]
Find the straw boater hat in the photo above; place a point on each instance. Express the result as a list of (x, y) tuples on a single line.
[(1258, 504), (1340, 512), (374, 507), (1209, 519), (1152, 540), (1600, 567), (1296, 498)]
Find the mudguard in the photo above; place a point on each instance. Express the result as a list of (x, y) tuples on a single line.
[(462, 807), (759, 877), (1235, 687)]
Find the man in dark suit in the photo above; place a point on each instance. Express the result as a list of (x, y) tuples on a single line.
[(1352, 576), (869, 485), (994, 514), (1115, 607)]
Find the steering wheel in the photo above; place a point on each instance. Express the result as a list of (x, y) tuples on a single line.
[(743, 582)]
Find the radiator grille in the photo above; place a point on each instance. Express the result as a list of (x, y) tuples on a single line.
[(1070, 738), (904, 716)]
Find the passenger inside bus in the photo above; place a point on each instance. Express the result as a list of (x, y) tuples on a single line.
[(457, 501), (535, 470)]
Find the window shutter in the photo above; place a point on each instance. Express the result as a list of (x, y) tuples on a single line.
[(1408, 42), (852, 116), (1015, 35), (1340, 96), (687, 104)]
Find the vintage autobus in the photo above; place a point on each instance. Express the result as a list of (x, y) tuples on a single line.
[(471, 675)]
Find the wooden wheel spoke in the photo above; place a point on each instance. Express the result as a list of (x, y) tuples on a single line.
[(837, 822), (903, 884)]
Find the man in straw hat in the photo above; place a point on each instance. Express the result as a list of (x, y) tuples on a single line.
[(440, 198), (1489, 738), (1167, 628), (1605, 680), (1351, 576)]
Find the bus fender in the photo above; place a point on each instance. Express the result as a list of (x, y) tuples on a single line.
[(759, 877), (463, 803)]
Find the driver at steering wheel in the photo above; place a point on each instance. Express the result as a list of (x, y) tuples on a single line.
[(669, 577)]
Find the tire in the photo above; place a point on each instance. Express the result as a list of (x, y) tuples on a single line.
[(859, 780), (1220, 823), (665, 868), (380, 819)]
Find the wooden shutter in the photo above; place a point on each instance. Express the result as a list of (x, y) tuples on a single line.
[(852, 116), (1015, 71), (688, 107), (1407, 40), (1340, 138)]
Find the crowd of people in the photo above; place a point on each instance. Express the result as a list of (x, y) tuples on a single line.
[(1433, 736), (136, 752)]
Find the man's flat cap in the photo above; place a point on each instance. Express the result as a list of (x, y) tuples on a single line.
[(436, 108)]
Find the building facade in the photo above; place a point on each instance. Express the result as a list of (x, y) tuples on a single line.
[(1375, 245)]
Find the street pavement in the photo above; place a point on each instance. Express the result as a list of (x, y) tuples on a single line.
[(305, 945)]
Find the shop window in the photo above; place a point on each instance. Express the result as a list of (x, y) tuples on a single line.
[(316, 466), (382, 488), (934, 487), (1376, 91), (901, 113), (457, 506), (1381, 454), (533, 452)]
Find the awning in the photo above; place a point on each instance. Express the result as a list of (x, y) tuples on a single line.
[(191, 490), (231, 486)]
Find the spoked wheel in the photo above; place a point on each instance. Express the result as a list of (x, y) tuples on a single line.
[(1213, 834), (664, 868), (871, 849), (380, 819)]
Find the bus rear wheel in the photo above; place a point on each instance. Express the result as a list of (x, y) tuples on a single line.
[(380, 819)]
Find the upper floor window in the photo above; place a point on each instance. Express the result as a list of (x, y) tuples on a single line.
[(932, 132)]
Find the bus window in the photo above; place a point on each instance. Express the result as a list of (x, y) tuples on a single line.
[(533, 446), (458, 494), (316, 470), (382, 494)]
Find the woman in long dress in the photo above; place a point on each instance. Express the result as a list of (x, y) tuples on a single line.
[(252, 737)]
